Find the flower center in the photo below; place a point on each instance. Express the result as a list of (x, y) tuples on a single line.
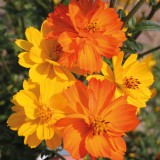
[(45, 114), (92, 27), (131, 82), (57, 52), (99, 126)]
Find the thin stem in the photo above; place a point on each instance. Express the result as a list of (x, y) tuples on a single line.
[(112, 3), (133, 11), (154, 9), (151, 14), (149, 51)]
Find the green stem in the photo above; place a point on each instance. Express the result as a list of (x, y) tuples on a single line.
[(151, 14), (133, 11), (112, 3), (149, 51)]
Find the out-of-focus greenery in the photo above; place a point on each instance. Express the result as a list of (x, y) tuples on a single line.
[(142, 144)]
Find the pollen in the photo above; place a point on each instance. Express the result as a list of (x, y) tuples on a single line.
[(131, 83), (45, 114), (57, 52), (98, 125), (92, 27)]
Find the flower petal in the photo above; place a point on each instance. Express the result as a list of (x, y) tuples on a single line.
[(54, 142), (32, 140), (44, 131), (24, 44), (97, 146), (24, 60)]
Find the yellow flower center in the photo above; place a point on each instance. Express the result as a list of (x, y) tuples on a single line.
[(99, 126), (45, 114), (92, 27), (57, 52), (131, 83)]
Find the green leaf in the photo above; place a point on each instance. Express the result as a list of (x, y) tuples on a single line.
[(146, 25), (132, 23)]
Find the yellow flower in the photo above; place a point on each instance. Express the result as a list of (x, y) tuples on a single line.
[(132, 78), (37, 108), (149, 60), (42, 55), (56, 1)]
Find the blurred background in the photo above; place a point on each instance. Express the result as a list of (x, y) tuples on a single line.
[(15, 17)]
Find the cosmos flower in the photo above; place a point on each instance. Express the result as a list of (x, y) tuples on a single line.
[(149, 60), (41, 56), (97, 122), (86, 30), (132, 78), (36, 109)]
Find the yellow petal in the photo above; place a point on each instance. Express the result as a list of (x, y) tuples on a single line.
[(46, 27), (132, 58), (24, 60), (107, 71), (24, 44), (63, 73), (54, 142), (44, 131), (97, 76), (32, 140), (39, 72), (16, 120), (33, 36), (27, 129), (37, 55)]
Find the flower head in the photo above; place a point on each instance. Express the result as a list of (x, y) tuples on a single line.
[(36, 110), (132, 78), (42, 56), (86, 31), (149, 60), (97, 122)]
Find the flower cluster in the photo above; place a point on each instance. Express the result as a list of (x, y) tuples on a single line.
[(56, 106)]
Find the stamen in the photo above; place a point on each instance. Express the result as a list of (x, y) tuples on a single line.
[(58, 50), (98, 125), (45, 114), (92, 27), (131, 83)]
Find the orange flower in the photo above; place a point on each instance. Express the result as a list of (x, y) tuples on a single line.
[(86, 30), (98, 121)]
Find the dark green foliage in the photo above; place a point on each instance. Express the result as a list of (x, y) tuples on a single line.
[(143, 144)]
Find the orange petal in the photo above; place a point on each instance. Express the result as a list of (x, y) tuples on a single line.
[(127, 120), (77, 97), (88, 59), (75, 136), (97, 146), (103, 92)]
